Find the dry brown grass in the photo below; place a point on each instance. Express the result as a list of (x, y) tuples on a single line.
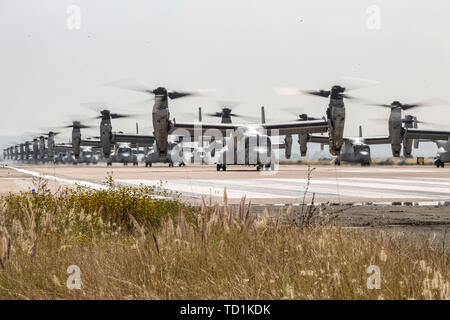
[(219, 253)]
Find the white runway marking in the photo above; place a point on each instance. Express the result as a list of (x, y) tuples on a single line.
[(202, 188), (350, 188), (82, 183), (58, 179)]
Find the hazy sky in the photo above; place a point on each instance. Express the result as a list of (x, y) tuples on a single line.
[(245, 48)]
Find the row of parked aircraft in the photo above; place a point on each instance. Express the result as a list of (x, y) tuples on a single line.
[(227, 143)]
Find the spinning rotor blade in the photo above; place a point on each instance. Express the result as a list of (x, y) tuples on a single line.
[(49, 133), (215, 114), (118, 116), (40, 134), (103, 107), (227, 104), (46, 131), (179, 94), (380, 105), (336, 91), (97, 106), (296, 112), (426, 103), (228, 113), (288, 91), (320, 93), (348, 97), (412, 106), (130, 84), (227, 110), (134, 85), (114, 116), (352, 83), (140, 104), (80, 126)]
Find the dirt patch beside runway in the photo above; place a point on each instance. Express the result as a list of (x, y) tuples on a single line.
[(372, 216), (416, 223), (14, 181)]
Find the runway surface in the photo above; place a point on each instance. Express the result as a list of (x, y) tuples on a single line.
[(289, 184)]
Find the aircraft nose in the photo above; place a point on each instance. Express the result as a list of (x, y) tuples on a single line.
[(363, 154)]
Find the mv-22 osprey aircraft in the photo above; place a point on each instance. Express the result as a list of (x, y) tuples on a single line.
[(410, 132), (43, 148), (120, 143), (233, 133), (441, 138), (205, 154), (357, 149)]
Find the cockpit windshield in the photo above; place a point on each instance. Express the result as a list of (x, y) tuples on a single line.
[(123, 150), (359, 148)]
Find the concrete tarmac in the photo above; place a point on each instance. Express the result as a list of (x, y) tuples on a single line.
[(288, 184)]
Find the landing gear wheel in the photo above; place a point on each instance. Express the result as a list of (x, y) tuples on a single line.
[(181, 164), (438, 163), (337, 162), (135, 164), (224, 167), (108, 164), (170, 164), (218, 167)]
